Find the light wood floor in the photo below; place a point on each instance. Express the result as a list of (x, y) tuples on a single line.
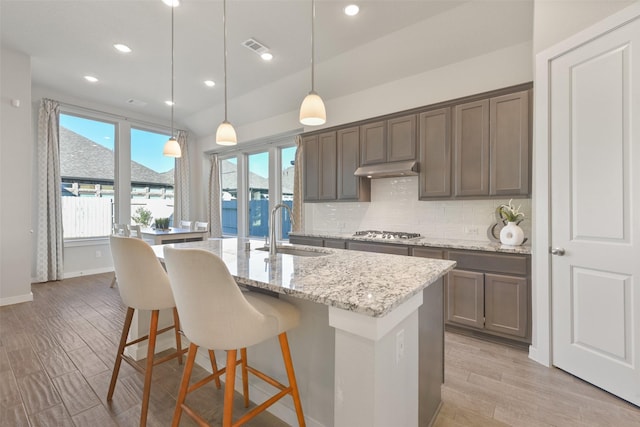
[(57, 352)]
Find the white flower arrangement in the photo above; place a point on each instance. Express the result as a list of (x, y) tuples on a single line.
[(510, 212)]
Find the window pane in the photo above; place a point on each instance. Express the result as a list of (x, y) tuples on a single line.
[(229, 180), (151, 178), (288, 156), (87, 172), (258, 194)]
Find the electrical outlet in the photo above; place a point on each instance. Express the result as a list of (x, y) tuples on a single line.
[(98, 254), (472, 230), (399, 346)]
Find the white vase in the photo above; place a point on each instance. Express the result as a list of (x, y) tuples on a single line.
[(511, 234)]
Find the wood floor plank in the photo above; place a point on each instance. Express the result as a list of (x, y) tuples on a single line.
[(96, 416), (37, 392), (14, 416), (56, 362), (9, 392), (87, 362), (56, 416), (75, 392), (24, 362)]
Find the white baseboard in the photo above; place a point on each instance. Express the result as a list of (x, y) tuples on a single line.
[(71, 274), (257, 394), (17, 299)]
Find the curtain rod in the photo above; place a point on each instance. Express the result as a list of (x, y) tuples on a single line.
[(112, 115)]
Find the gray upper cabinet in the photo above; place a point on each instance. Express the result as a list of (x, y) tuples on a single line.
[(311, 168), (434, 138), (509, 142), (328, 165), (320, 167), (350, 187), (373, 143), (492, 141), (401, 138), (471, 142)]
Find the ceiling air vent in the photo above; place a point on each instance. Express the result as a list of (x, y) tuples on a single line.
[(136, 102), (255, 46)]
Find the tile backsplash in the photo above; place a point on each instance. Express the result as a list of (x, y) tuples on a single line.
[(395, 206)]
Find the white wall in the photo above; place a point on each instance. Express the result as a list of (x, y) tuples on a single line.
[(555, 20), (16, 150)]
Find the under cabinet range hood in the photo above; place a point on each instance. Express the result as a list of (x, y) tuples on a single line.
[(387, 170)]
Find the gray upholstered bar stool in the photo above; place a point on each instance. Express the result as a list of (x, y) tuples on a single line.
[(143, 285), (217, 315)]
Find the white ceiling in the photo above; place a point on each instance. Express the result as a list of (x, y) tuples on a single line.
[(389, 39)]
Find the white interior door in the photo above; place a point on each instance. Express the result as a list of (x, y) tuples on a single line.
[(595, 211)]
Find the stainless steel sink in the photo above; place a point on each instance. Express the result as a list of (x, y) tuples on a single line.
[(295, 251)]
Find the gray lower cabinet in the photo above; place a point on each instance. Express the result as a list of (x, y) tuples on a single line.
[(335, 243), (305, 240), (490, 293), (421, 251)]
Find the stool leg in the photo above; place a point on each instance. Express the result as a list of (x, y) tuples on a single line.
[(123, 342), (288, 364), (245, 377), (176, 324), (230, 379), (184, 384), (153, 331), (214, 367)]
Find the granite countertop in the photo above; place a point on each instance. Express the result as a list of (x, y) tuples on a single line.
[(474, 245), (368, 283)]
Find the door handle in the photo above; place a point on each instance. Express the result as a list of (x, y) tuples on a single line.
[(557, 251)]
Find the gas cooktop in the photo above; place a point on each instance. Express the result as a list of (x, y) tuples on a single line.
[(386, 235)]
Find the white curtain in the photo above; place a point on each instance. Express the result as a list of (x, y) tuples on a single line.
[(49, 255), (181, 179), (214, 197), (298, 206)]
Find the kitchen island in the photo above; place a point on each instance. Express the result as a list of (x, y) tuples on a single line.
[(368, 351)]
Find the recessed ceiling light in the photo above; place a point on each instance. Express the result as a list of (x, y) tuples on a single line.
[(266, 56), (172, 3), (169, 103), (90, 79), (352, 10), (122, 48), (210, 83)]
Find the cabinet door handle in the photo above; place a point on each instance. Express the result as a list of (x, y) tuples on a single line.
[(557, 251)]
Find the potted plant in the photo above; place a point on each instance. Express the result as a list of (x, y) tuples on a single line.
[(511, 233), (162, 223)]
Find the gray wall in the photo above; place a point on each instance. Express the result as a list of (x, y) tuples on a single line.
[(16, 151)]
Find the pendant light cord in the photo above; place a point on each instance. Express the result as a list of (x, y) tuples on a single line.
[(313, 16), (172, 75), (224, 26)]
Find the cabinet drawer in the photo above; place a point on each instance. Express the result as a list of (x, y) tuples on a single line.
[(335, 243), (427, 253), (302, 240), (499, 263), (378, 247)]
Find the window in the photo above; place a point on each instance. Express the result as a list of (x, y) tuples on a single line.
[(152, 178), (87, 172), (258, 166), (287, 160), (229, 186)]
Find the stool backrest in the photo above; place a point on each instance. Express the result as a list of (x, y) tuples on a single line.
[(201, 226), (120, 230), (185, 224), (142, 282), (213, 312), (134, 231)]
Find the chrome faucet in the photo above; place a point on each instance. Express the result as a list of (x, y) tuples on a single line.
[(272, 226)]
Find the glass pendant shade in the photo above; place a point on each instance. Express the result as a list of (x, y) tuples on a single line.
[(172, 148), (226, 134), (312, 112)]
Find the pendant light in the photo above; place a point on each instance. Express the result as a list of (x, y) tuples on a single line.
[(312, 112), (171, 147), (226, 134)]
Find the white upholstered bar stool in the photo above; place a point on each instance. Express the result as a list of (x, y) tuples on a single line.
[(217, 315), (143, 285)]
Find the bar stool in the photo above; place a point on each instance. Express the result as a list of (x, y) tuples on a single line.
[(216, 314), (143, 285)]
